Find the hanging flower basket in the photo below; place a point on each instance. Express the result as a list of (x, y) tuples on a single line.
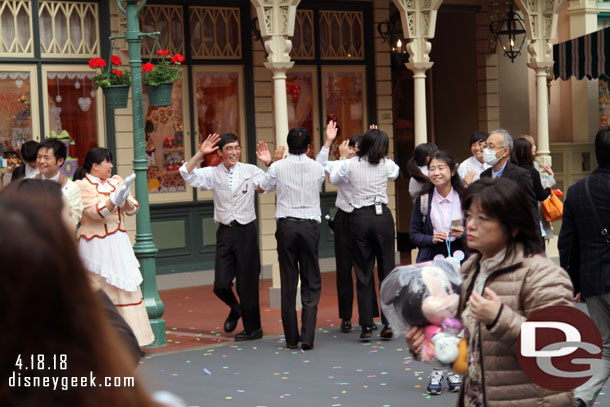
[(161, 94), (116, 96)]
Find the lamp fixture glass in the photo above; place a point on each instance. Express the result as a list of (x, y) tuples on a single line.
[(510, 32), (391, 32)]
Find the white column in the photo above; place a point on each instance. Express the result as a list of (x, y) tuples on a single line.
[(541, 27), (280, 101), (419, 84), (543, 153), (276, 22), (418, 19)]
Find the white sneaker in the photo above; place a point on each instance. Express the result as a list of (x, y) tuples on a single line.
[(435, 386), (454, 381)]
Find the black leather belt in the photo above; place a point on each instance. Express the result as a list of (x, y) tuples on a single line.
[(234, 223), (293, 219)]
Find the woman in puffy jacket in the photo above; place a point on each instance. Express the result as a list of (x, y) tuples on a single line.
[(506, 280)]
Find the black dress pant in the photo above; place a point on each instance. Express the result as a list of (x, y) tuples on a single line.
[(344, 263), (373, 237), (238, 257), (297, 248)]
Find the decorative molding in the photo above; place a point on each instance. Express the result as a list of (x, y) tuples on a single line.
[(169, 21), (418, 22), (303, 43), (541, 27), (68, 29), (215, 32), (341, 35), (13, 16), (278, 17)]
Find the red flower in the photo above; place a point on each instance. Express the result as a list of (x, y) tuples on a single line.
[(147, 67), (96, 63), (177, 59), (115, 60), (117, 72), (163, 52)]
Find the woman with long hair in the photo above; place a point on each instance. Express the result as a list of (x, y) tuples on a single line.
[(371, 222), (103, 243), (506, 279), (437, 230), (547, 180), (417, 167), (56, 325), (436, 220)]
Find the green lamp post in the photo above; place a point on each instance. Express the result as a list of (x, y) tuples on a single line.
[(144, 248)]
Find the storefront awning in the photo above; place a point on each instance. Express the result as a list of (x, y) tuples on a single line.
[(588, 56)]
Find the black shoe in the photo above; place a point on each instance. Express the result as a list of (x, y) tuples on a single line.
[(231, 321), (374, 327), (244, 336), (578, 402), (306, 346), (386, 332), (366, 333), (292, 346), (346, 325)]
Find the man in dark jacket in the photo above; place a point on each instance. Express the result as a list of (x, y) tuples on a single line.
[(585, 252), (497, 154)]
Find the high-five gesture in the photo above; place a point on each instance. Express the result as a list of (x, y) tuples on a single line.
[(373, 127), (262, 152), (279, 153), (331, 133), (344, 149), (209, 145)]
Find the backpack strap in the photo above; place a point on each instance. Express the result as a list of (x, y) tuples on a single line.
[(423, 205)]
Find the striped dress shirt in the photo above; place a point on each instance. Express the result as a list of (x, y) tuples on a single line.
[(343, 190), (233, 188), (367, 181), (298, 179)]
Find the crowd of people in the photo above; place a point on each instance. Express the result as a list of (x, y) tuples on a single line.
[(484, 213)]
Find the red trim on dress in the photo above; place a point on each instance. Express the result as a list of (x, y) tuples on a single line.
[(130, 305), (99, 211), (101, 237), (97, 185)]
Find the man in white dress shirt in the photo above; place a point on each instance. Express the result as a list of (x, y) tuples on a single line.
[(471, 168), (237, 254), (297, 179), (50, 157)]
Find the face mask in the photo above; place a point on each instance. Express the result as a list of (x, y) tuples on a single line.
[(490, 157)]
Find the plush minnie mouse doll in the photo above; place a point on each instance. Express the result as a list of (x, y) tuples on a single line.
[(426, 295)]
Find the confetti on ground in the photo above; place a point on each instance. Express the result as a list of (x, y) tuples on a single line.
[(207, 371)]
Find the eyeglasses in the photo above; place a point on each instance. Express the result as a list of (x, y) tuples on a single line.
[(230, 149), (478, 219), (491, 146)]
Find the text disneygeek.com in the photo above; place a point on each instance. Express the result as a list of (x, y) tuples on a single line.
[(66, 382)]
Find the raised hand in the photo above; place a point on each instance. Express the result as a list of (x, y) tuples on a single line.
[(344, 149), (373, 127), (209, 145), (119, 196), (126, 187), (279, 153), (262, 152), (331, 133)]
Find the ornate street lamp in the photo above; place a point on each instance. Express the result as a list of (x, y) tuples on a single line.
[(510, 32), (391, 32)]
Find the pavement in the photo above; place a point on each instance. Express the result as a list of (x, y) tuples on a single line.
[(340, 371)]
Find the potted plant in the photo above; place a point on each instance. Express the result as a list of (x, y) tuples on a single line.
[(114, 83), (159, 79)]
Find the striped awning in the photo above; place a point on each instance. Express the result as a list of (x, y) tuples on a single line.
[(583, 56)]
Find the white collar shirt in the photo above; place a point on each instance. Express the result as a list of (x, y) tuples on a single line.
[(297, 179), (233, 189), (471, 164), (343, 190), (367, 181)]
